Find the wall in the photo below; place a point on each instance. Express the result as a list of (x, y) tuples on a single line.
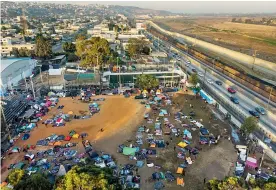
[(246, 60)]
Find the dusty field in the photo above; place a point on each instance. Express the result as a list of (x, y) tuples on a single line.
[(214, 161), (236, 36), (120, 118), (117, 114)]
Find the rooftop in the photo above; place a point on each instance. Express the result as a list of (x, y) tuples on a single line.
[(7, 62)]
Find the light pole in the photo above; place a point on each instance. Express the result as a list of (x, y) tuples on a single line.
[(216, 58), (31, 77), (254, 57), (268, 102)]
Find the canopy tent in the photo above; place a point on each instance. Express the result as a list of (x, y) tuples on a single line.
[(129, 151), (61, 171), (182, 144), (251, 162)]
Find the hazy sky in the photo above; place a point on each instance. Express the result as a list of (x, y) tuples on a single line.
[(196, 6)]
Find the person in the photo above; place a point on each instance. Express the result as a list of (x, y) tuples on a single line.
[(171, 138), (167, 143), (102, 130), (204, 181), (174, 148)]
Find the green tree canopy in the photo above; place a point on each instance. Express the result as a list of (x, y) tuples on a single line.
[(69, 47), (136, 46), (15, 52), (194, 79), (88, 177), (146, 82), (250, 124), (15, 176), (34, 181), (43, 47), (92, 51)]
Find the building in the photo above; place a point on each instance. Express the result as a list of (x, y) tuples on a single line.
[(166, 77), (15, 69), (7, 49)]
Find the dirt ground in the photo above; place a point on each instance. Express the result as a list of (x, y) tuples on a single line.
[(120, 118), (116, 112), (221, 31), (214, 161)]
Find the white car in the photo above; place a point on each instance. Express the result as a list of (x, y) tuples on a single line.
[(200, 74), (210, 81)]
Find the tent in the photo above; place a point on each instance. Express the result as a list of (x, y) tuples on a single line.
[(70, 112), (61, 171), (180, 181), (179, 170), (30, 126), (251, 162), (182, 144), (26, 136), (19, 165), (76, 136), (15, 149), (129, 151), (68, 138)]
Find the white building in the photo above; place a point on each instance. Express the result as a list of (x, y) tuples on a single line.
[(14, 70)]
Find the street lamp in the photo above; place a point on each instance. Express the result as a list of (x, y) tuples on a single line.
[(268, 102), (216, 58), (31, 77)]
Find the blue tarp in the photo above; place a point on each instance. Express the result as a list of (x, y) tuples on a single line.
[(206, 97)]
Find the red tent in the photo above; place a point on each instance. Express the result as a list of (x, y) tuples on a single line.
[(68, 138)]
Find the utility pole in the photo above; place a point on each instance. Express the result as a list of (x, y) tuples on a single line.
[(268, 102), (31, 77), (4, 118), (254, 57), (40, 75)]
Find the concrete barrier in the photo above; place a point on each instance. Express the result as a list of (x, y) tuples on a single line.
[(260, 65)]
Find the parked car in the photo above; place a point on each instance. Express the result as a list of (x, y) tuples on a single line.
[(234, 99), (254, 113), (218, 82), (231, 90), (194, 70), (210, 81), (260, 110), (200, 74)]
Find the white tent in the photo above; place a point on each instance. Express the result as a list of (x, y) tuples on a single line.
[(61, 171)]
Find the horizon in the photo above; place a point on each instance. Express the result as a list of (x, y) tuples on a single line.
[(191, 7)]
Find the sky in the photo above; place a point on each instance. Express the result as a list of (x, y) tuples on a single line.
[(195, 6)]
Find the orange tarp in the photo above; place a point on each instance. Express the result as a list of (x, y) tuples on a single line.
[(180, 181), (179, 170)]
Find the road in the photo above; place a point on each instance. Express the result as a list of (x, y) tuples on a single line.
[(57, 48), (245, 98)]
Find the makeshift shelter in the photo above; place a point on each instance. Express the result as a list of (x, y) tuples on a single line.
[(70, 112), (76, 136), (129, 151), (180, 181), (182, 144), (179, 170), (15, 149), (19, 165), (61, 171), (68, 138), (26, 136), (251, 163)]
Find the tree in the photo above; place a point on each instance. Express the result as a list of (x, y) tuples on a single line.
[(69, 47), (15, 176), (34, 181), (72, 57), (88, 177), (270, 186), (194, 79), (43, 47), (136, 46), (3, 28), (234, 19), (146, 82), (146, 50), (250, 124), (15, 52), (92, 51)]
